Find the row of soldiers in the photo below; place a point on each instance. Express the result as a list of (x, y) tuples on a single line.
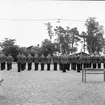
[(77, 61), (6, 60)]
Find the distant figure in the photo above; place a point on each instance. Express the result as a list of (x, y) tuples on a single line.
[(2, 61), (29, 61), (23, 62), (55, 62), (19, 58), (48, 61), (9, 60), (43, 61), (36, 61)]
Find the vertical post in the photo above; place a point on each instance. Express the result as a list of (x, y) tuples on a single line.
[(85, 75)]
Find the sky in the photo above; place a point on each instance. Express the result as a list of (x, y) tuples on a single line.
[(24, 20)]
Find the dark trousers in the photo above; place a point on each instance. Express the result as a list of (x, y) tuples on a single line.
[(78, 67), (55, 66), (29, 66), (42, 66), (9, 66), (99, 65), (104, 65), (68, 66), (74, 66), (3, 66), (48, 66), (23, 66), (60, 64), (94, 65), (19, 66), (64, 67), (36, 66)]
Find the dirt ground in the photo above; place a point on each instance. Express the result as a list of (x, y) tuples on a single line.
[(51, 88)]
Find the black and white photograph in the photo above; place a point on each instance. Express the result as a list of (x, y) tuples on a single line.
[(52, 52)]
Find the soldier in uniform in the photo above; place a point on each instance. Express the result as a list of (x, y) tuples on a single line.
[(68, 61), (64, 63), (78, 63), (19, 59), (60, 62), (48, 61), (9, 60), (55, 62), (36, 61), (2, 60), (43, 61), (29, 61), (99, 61), (94, 61), (23, 62)]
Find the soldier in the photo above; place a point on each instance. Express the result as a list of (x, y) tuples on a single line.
[(43, 61), (94, 61), (29, 61), (23, 62), (78, 63), (60, 62), (9, 60), (2, 60), (74, 60), (68, 62), (64, 63), (103, 60), (99, 61), (55, 62), (19, 60), (36, 61), (48, 61)]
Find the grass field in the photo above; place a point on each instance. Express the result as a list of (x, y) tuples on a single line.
[(50, 88)]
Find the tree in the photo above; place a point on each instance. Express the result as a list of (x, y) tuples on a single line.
[(95, 33), (83, 35), (8, 47), (49, 29), (67, 38)]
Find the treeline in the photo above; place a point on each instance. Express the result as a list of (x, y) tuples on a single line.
[(66, 41)]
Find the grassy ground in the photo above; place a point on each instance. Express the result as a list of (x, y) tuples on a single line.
[(51, 88)]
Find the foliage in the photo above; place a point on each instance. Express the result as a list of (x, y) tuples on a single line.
[(95, 33)]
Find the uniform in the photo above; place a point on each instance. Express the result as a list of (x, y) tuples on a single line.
[(94, 61), (43, 61), (55, 62), (73, 61), (99, 61), (19, 58), (64, 63), (48, 61), (2, 60), (60, 62), (79, 59), (23, 62), (36, 61), (9, 60), (29, 61)]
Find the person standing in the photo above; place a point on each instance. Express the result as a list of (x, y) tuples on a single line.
[(2, 60), (19, 61), (55, 62), (29, 61), (23, 62), (36, 61), (48, 61), (43, 61), (9, 60)]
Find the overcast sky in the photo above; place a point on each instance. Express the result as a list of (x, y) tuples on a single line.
[(34, 32)]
